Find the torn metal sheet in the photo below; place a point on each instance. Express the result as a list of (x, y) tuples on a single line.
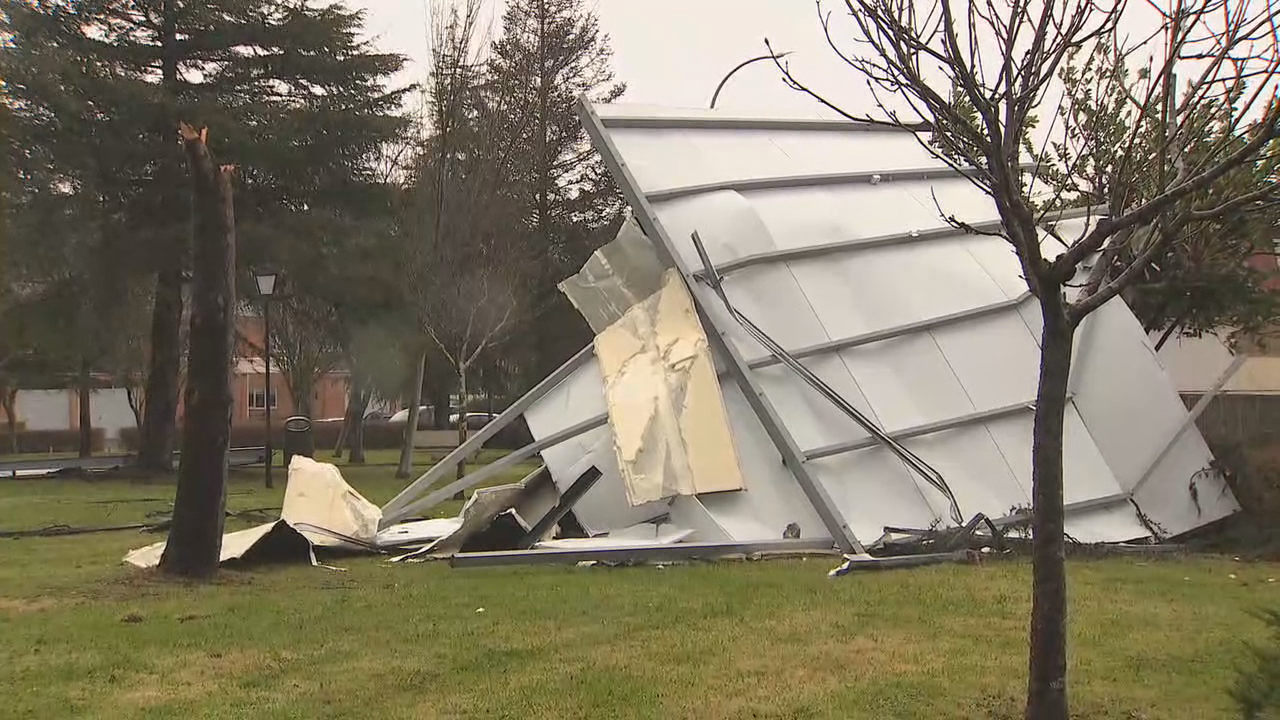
[(317, 496), (850, 266), (320, 510), (271, 542), (670, 430)]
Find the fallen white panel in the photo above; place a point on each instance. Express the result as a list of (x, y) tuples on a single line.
[(420, 531), (320, 509), (271, 542), (318, 498), (1120, 418), (638, 535)]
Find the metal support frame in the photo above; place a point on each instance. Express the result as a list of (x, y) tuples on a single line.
[(481, 436), (490, 470), (1105, 501), (808, 180), (585, 482), (810, 252), (728, 122), (876, 336), (786, 445), (1190, 420), (981, 416), (673, 552)]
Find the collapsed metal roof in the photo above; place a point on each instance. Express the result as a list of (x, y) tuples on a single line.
[(832, 243)]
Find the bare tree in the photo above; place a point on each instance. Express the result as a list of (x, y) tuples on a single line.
[(975, 74), (303, 346), (462, 264)]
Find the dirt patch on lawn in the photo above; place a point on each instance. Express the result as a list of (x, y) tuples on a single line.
[(21, 606)]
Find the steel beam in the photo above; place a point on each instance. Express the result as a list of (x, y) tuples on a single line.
[(922, 430), (490, 470), (894, 332), (737, 366), (1105, 501), (848, 246), (476, 441), (809, 180), (1190, 420), (728, 122), (642, 553)]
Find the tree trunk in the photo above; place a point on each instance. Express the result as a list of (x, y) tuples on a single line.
[(135, 406), (411, 425), (356, 439), (84, 388), (155, 444), (10, 402), (441, 404), (195, 537), (1047, 683), (346, 422), (463, 404)]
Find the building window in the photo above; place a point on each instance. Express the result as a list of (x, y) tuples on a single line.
[(258, 399)]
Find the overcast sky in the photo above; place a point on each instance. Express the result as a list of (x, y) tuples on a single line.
[(673, 52)]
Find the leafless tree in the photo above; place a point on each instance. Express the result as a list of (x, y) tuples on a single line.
[(462, 268), (303, 346), (976, 74)]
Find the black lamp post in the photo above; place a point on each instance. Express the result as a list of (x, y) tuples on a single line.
[(266, 288)]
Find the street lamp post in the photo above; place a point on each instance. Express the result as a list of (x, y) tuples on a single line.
[(266, 288)]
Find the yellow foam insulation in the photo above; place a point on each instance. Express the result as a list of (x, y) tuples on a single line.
[(669, 423)]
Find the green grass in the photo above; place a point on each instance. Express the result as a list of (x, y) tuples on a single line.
[(83, 636)]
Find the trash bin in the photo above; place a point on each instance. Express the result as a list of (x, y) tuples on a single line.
[(298, 439)]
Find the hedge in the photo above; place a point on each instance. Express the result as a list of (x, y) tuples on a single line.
[(378, 435), (52, 441)]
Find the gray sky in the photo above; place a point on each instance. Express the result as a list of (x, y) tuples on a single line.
[(672, 52)]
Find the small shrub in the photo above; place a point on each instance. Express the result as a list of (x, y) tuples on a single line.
[(1257, 690)]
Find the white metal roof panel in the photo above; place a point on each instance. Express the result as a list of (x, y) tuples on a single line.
[(976, 375)]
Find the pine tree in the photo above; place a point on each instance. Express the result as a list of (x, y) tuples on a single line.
[(301, 103), (550, 53)]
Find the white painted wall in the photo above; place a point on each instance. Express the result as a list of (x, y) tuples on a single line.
[(44, 409), (53, 410)]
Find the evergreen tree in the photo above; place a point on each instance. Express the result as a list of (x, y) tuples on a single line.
[(550, 53), (300, 102)]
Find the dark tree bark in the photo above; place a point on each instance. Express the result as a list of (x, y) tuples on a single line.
[(355, 439), (84, 392), (1047, 684), (195, 538), (155, 448), (411, 424), (10, 402)]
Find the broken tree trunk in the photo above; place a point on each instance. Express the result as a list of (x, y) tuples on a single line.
[(195, 538)]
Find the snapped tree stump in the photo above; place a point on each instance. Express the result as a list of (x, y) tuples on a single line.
[(195, 538)]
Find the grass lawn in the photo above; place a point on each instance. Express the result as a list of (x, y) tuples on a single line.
[(83, 636)]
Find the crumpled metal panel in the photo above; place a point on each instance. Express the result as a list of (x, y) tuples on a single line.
[(1123, 412)]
